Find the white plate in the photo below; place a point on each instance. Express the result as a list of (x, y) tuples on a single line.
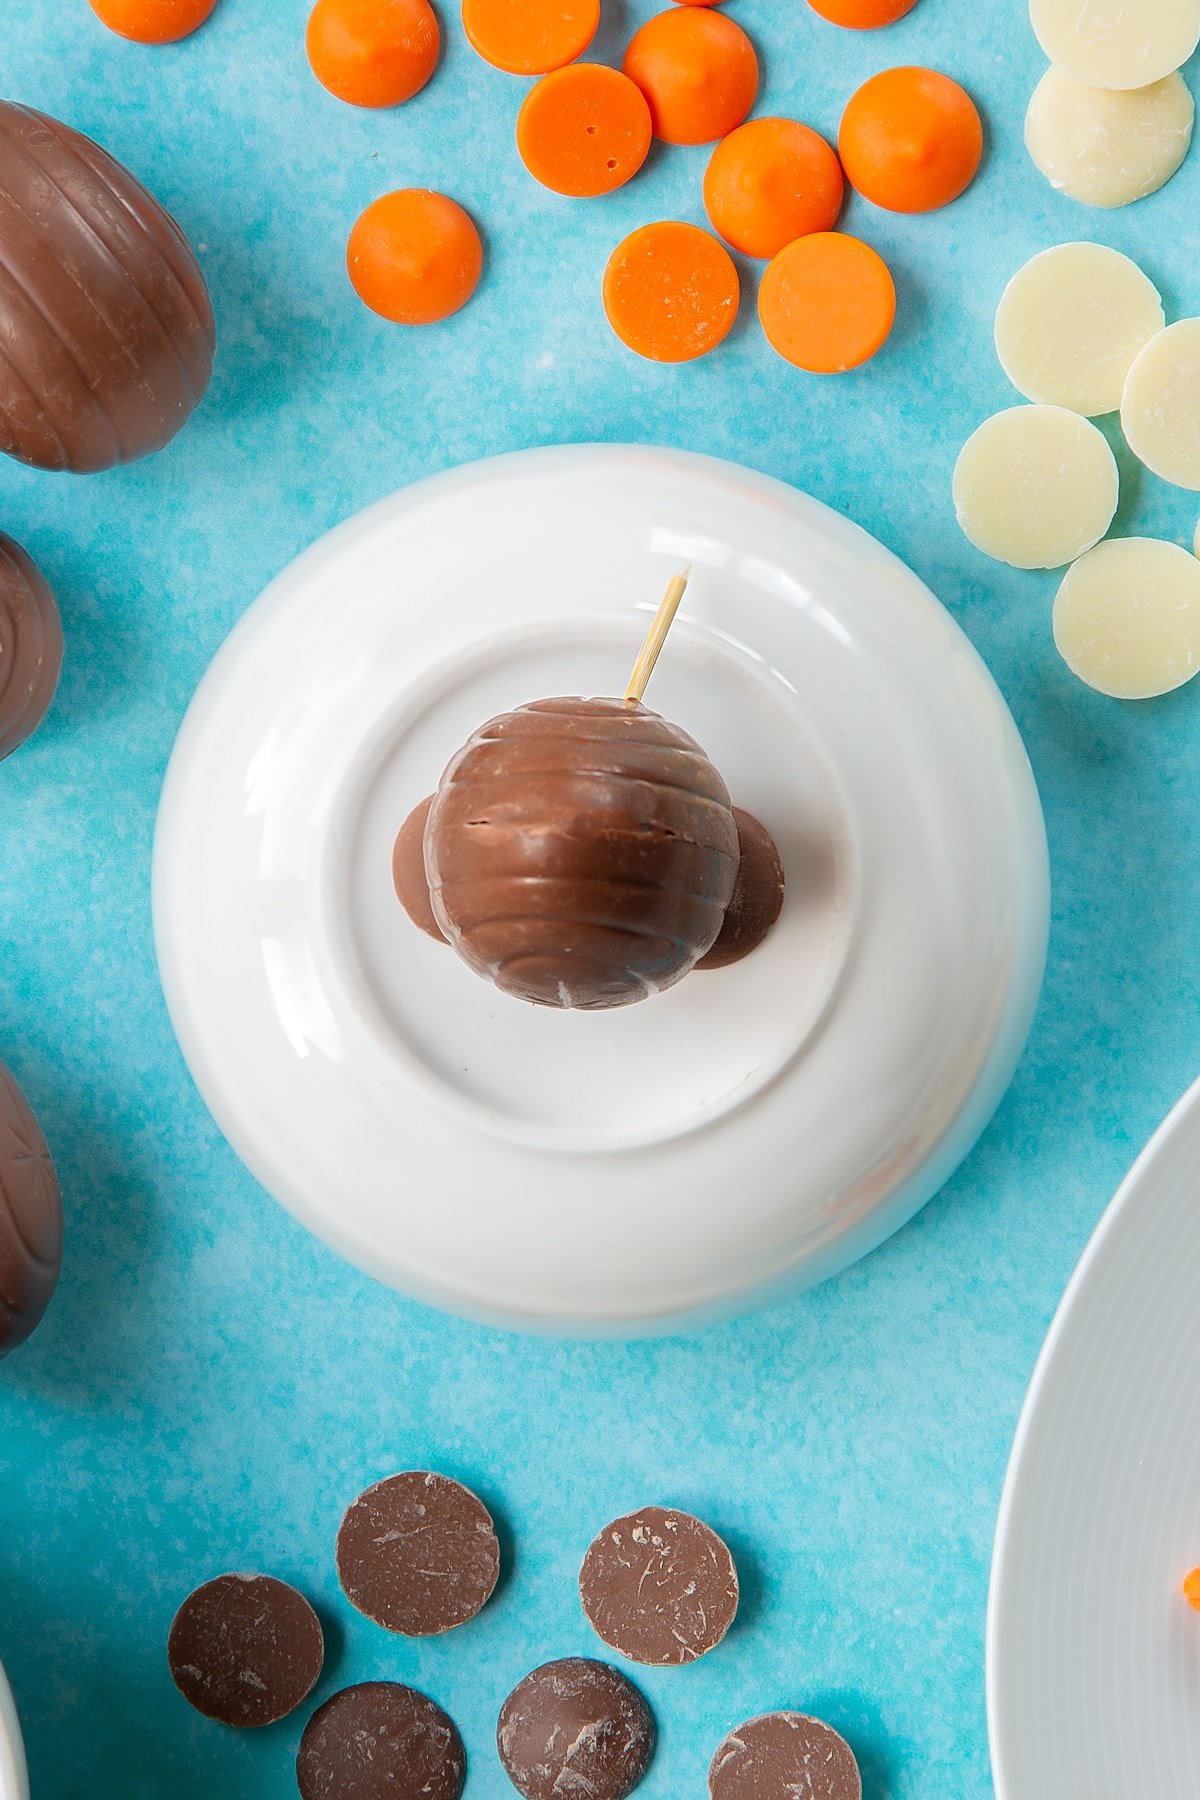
[(14, 1783), (1093, 1654), (665, 1162)]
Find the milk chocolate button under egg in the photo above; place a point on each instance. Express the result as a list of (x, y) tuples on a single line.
[(246, 1649), (757, 895), (660, 1587), (31, 646), (784, 1756), (380, 1741), (31, 1227), (575, 1727), (106, 328), (418, 1553)]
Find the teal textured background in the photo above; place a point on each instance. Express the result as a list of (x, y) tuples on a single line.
[(212, 1386)]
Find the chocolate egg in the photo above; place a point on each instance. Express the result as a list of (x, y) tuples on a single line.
[(30, 1218), (106, 329), (31, 646), (581, 853)]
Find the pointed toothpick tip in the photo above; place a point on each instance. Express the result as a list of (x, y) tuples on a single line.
[(656, 637)]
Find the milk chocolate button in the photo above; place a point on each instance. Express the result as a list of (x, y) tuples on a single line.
[(782, 1756), (660, 1587), (245, 1649), (418, 1554), (757, 895), (380, 1741), (575, 1728)]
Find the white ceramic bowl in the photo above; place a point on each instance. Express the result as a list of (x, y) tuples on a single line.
[(659, 1165), (14, 1784)]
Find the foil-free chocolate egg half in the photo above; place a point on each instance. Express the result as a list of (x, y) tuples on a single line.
[(106, 328), (31, 646), (31, 1233), (581, 853)]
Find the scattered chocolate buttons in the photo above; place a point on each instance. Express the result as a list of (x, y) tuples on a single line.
[(782, 1756), (418, 1554), (575, 1727), (380, 1741), (660, 1587), (246, 1649)]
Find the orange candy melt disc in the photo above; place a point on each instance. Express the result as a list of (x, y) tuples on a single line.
[(373, 52), (530, 37), (770, 181), (697, 69), (862, 15), (911, 140), (414, 256), (584, 130), (827, 303), (1191, 1589), (671, 292), (152, 21)]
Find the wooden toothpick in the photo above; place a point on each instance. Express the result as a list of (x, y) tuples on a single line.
[(656, 637)]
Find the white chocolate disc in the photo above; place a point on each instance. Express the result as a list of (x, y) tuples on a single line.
[(1035, 486), (1070, 324), (1117, 43), (1160, 408), (1127, 618), (1105, 147)]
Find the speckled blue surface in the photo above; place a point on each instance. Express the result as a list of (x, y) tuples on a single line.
[(212, 1386)]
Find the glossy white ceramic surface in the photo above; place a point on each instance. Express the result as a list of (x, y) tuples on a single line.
[(1093, 1654), (14, 1783), (749, 1130)]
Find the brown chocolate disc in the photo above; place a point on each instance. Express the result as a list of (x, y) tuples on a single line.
[(581, 853), (106, 329), (246, 1649), (408, 871), (380, 1741), (781, 1756), (757, 895), (31, 1227), (660, 1587), (31, 646), (575, 1727), (418, 1554)]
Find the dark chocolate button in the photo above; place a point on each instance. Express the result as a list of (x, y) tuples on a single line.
[(781, 1756), (30, 1218), (106, 330), (246, 1649), (418, 1554), (575, 1728), (660, 1587), (380, 1741), (31, 646), (408, 871), (757, 895)]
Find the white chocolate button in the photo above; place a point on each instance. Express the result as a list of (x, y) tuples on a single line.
[(1070, 324), (1160, 408), (1117, 43), (1035, 486), (1104, 147), (1127, 618)]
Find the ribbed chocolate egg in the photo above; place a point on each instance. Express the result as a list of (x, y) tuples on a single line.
[(30, 1218), (106, 329), (581, 853), (31, 646)]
